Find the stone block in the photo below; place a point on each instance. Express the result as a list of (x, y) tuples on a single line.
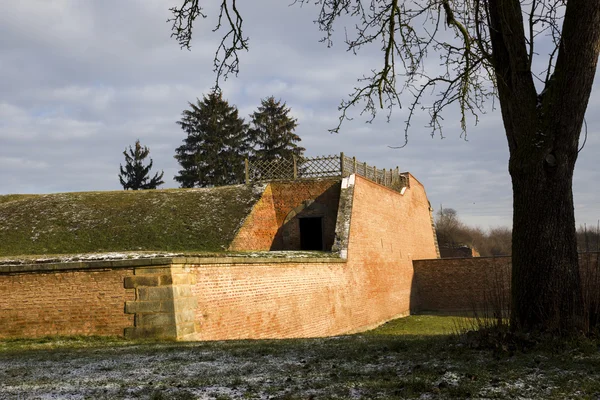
[(148, 307), (132, 282), (182, 291), (160, 293), (186, 303), (165, 280), (153, 320), (181, 279), (185, 329), (185, 317)]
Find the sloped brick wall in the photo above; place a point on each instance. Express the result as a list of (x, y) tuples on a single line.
[(277, 300), (260, 226), (269, 226), (387, 232)]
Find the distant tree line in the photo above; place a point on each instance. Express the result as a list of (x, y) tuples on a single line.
[(588, 238), (217, 143), (452, 232)]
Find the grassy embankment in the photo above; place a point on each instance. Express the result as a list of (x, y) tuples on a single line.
[(176, 220), (414, 357)]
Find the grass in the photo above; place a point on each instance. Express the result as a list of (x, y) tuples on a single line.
[(192, 220), (414, 357)]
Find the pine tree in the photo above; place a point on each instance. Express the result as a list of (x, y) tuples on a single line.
[(135, 175), (273, 131), (216, 145)]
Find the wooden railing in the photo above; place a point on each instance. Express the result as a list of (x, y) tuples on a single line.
[(332, 166)]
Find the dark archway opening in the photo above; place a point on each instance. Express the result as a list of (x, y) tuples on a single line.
[(311, 233)]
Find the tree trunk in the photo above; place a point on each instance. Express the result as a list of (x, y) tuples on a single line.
[(543, 133), (546, 288)]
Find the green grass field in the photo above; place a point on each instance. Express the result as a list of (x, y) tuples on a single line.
[(418, 357), (191, 220)]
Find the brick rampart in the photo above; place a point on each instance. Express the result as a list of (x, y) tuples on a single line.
[(387, 231), (64, 303), (238, 297), (319, 298), (283, 300)]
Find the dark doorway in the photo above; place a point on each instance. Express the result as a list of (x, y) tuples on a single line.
[(311, 233)]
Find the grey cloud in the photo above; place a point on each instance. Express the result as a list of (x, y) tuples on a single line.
[(84, 80)]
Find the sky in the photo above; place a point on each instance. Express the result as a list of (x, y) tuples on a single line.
[(81, 80)]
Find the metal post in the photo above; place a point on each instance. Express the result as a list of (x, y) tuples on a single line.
[(366, 170), (384, 178), (354, 164), (375, 173), (247, 166), (342, 163)]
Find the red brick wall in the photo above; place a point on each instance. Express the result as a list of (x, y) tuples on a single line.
[(266, 227), (387, 232), (64, 303), (465, 284), (259, 227), (271, 301), (460, 284), (290, 299)]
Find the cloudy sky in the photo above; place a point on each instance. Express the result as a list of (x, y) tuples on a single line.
[(81, 80)]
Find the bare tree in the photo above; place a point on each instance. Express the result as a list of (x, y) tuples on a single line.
[(537, 57)]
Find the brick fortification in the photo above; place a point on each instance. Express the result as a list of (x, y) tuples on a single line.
[(380, 233), (387, 231)]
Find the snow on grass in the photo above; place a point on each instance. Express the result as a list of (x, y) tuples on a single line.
[(132, 255), (366, 366)]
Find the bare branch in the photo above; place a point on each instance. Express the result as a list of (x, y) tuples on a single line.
[(409, 32), (183, 21), (226, 60)]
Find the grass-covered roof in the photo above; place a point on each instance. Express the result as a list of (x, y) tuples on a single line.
[(204, 220)]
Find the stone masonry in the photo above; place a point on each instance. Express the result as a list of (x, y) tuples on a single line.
[(164, 305)]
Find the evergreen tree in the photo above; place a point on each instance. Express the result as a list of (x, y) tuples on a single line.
[(273, 131), (216, 145), (135, 175)]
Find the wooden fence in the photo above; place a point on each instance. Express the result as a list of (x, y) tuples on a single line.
[(322, 167)]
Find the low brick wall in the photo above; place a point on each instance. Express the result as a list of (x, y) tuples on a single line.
[(461, 285), (458, 285), (286, 299), (64, 302)]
